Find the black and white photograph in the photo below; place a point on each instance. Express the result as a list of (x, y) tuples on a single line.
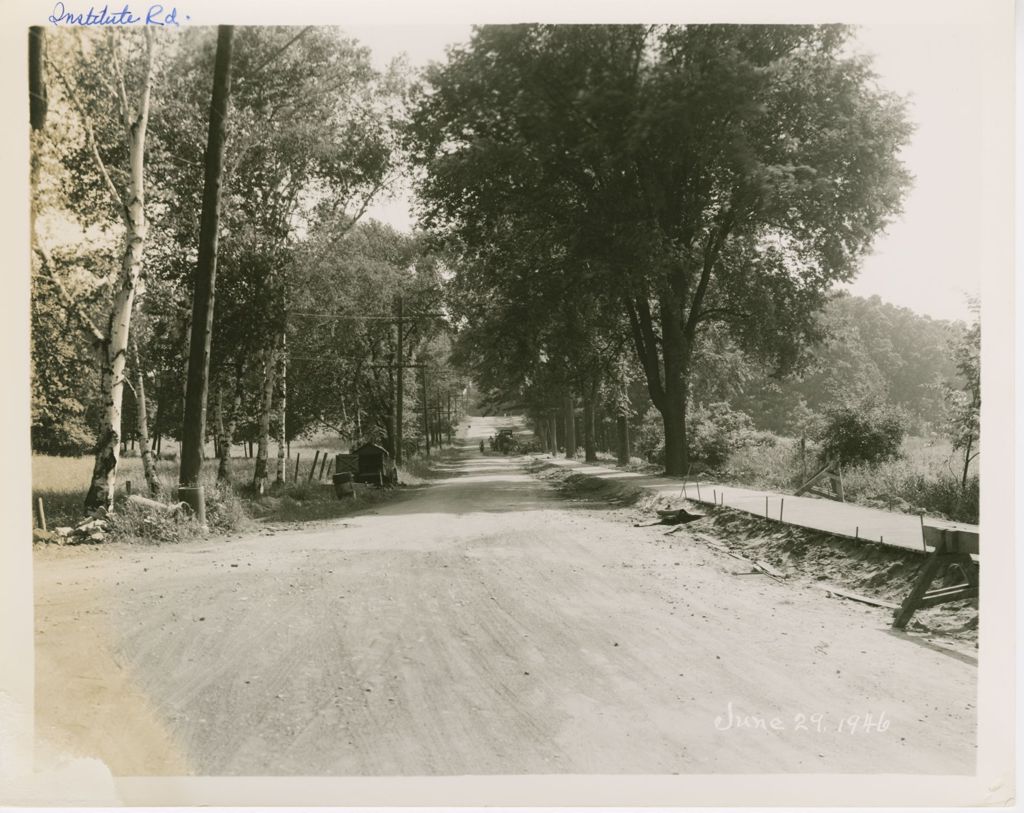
[(512, 397)]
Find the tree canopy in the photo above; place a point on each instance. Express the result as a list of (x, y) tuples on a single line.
[(681, 176)]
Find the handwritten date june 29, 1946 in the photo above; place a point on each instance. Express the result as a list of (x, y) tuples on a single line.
[(818, 722), (154, 15)]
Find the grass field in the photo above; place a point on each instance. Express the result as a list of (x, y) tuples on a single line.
[(62, 482)]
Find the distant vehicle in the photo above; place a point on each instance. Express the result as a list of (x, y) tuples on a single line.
[(505, 442)]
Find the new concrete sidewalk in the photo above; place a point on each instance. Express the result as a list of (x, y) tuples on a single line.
[(832, 517)]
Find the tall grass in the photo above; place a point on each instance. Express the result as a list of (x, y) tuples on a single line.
[(925, 478)]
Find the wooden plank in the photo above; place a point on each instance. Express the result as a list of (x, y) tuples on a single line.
[(877, 602), (954, 540), (920, 587), (767, 568), (817, 476), (948, 594)]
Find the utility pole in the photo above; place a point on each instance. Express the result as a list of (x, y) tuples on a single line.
[(190, 491), (400, 396)]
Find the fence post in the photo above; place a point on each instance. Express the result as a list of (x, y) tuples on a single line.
[(312, 470), (298, 456), (42, 515)]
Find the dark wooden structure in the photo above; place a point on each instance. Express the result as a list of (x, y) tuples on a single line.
[(374, 465), (346, 463), (831, 473), (951, 546)]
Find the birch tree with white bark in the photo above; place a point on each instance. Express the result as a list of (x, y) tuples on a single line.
[(104, 81)]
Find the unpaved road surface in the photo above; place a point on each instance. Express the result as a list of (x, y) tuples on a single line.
[(479, 625)]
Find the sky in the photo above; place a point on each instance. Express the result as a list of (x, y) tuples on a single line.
[(927, 260)]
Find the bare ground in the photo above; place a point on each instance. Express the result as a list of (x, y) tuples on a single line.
[(479, 625)]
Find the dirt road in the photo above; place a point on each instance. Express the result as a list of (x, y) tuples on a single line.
[(479, 625)]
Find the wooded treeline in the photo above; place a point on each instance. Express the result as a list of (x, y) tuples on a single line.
[(304, 334), (614, 219)]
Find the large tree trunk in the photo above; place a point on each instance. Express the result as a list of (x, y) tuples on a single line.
[(553, 434), (589, 441), (104, 474), (148, 463), (675, 353), (569, 412), (623, 439), (261, 474), (282, 413)]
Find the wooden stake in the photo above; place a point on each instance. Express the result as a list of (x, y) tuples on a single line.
[(298, 456), (42, 514), (128, 487), (766, 507), (698, 492), (782, 504), (312, 470), (322, 464)]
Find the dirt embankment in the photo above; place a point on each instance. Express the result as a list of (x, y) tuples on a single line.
[(800, 555)]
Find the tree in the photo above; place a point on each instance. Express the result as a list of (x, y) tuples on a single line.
[(964, 402), (710, 174), (866, 432), (343, 337), (311, 142), (110, 162)]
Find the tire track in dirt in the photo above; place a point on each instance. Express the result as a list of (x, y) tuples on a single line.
[(483, 626)]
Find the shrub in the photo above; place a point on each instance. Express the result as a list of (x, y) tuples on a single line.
[(867, 433), (69, 439), (225, 510), (714, 431), (650, 439), (130, 522)]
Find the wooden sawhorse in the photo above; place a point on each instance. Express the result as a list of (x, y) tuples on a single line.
[(951, 546)]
